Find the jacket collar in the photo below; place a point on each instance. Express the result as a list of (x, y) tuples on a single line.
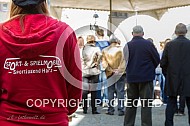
[(90, 44), (181, 37), (137, 37)]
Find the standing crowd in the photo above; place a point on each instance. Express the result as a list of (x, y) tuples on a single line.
[(40, 64), (139, 67)]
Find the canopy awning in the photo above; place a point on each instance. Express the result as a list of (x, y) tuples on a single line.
[(120, 5), (154, 8)]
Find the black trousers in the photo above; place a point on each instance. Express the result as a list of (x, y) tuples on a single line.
[(171, 109), (91, 82), (86, 102), (145, 92)]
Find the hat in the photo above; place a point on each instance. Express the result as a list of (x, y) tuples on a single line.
[(27, 3)]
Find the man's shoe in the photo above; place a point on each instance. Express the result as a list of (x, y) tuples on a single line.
[(121, 113), (110, 113), (85, 112), (181, 114), (95, 112), (176, 114)]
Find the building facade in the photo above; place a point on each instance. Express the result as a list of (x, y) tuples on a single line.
[(4, 10)]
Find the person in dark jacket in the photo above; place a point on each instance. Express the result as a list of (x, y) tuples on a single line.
[(140, 71), (175, 64)]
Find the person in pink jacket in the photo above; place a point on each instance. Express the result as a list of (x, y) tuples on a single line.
[(40, 69)]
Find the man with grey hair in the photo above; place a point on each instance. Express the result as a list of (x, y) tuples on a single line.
[(175, 65), (141, 64), (138, 31), (114, 64)]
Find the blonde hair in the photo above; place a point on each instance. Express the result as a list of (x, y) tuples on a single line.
[(90, 39)]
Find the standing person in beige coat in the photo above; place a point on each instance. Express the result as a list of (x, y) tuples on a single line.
[(114, 64), (91, 59)]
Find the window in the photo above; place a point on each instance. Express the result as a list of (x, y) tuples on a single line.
[(119, 15), (4, 6)]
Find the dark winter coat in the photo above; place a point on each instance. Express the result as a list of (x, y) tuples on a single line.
[(175, 64), (143, 59)]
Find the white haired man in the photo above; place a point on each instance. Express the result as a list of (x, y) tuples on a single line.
[(114, 64), (141, 64)]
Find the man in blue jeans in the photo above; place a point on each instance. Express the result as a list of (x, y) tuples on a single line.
[(118, 88), (114, 64)]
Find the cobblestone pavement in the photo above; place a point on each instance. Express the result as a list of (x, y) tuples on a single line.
[(158, 117)]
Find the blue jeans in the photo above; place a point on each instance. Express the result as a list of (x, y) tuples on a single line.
[(102, 83), (161, 79), (117, 88)]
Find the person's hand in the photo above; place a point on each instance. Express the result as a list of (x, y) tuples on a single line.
[(116, 71)]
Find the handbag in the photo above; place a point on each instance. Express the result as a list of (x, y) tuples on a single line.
[(87, 72), (93, 69)]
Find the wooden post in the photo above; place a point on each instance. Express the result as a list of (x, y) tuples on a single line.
[(110, 16)]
